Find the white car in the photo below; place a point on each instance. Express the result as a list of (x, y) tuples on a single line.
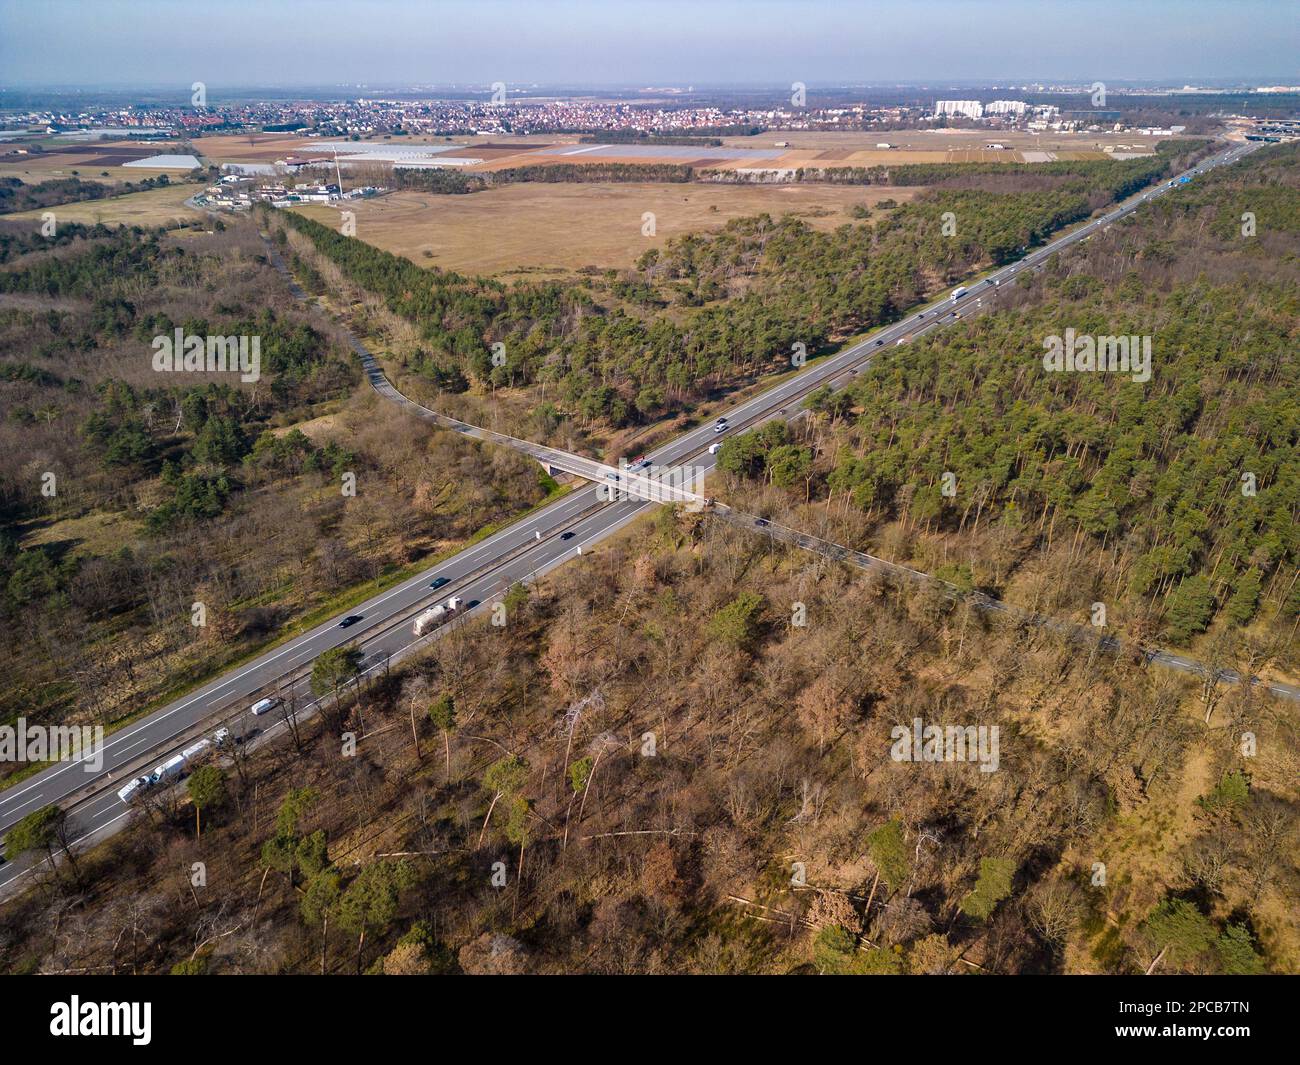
[(721, 427), (132, 791), (264, 706)]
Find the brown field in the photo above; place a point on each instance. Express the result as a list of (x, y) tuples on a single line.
[(90, 162), (248, 148), (268, 147), (940, 140), (540, 228), (806, 149), (153, 207)]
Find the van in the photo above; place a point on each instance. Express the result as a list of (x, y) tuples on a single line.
[(264, 706), (714, 448), (133, 790)]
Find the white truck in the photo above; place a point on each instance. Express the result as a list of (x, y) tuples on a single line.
[(135, 789), (959, 292), (435, 616), (169, 772), (196, 751)]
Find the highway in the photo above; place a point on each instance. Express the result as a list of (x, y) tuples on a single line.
[(523, 551)]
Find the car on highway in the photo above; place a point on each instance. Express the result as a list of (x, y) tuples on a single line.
[(879, 342), (224, 738), (566, 536), (721, 427), (439, 582), (472, 604), (350, 620), (264, 706)]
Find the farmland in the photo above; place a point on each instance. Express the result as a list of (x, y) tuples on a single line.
[(155, 207), (543, 228), (94, 161)]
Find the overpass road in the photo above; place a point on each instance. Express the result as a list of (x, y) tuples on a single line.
[(523, 551)]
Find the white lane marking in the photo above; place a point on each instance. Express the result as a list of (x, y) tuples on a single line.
[(94, 831), (48, 776)]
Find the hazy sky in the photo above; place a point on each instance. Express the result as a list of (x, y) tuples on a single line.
[(650, 42)]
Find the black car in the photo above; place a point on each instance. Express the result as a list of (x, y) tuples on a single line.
[(472, 604), (762, 522), (566, 536), (350, 620), (440, 581), (879, 342)]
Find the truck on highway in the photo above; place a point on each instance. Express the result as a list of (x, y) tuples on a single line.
[(169, 772), (134, 790), (959, 292), (196, 750), (435, 616)]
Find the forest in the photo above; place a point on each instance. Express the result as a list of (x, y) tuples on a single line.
[(15, 195), (1176, 501), (712, 311), (1119, 178), (126, 495), (678, 754), (653, 768)]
